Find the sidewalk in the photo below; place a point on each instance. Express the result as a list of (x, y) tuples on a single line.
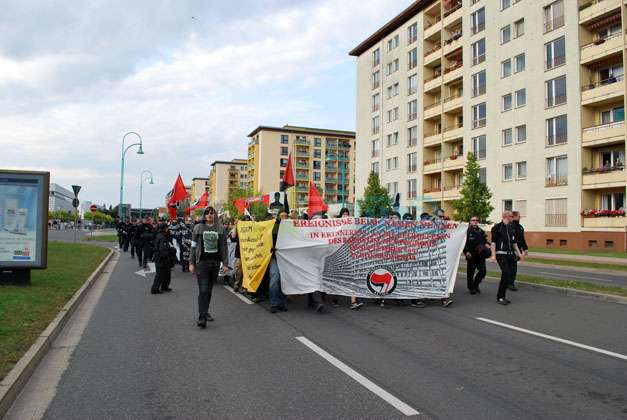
[(578, 258)]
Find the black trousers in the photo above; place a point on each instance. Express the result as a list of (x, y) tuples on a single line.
[(162, 277), (507, 263), (472, 265), (132, 242), (511, 281), (206, 276), (146, 251)]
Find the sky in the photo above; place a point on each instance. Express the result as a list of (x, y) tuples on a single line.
[(192, 77)]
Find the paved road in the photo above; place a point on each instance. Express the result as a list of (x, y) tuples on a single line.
[(141, 356)]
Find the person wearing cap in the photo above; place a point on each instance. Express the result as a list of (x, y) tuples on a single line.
[(143, 239), (163, 275), (207, 251)]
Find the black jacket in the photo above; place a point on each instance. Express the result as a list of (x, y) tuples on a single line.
[(503, 237), (475, 238), (519, 233), (144, 233)]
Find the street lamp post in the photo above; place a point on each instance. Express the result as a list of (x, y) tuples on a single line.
[(329, 158), (139, 152), (141, 184)]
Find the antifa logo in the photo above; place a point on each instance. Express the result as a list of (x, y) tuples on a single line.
[(381, 281), (173, 205)]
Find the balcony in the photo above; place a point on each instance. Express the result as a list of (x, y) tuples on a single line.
[(603, 134), (433, 54), (453, 16), (329, 168), (302, 177), (302, 165), (342, 146), (454, 102), (452, 193), (303, 142), (432, 138), (432, 110), (433, 82), (434, 191), (252, 143), (330, 191), (454, 163), (604, 222), (432, 166), (432, 26), (452, 44), (300, 153), (603, 91), (302, 189), (556, 180), (454, 72), (601, 48), (612, 177), (453, 132), (596, 9)]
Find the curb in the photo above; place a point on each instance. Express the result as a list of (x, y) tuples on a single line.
[(18, 377)]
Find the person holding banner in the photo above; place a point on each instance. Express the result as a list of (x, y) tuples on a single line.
[(344, 212), (208, 249), (277, 298), (477, 249), (438, 214)]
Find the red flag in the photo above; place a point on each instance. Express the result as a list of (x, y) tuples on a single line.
[(316, 204), (243, 204), (202, 202), (288, 175), (179, 190)]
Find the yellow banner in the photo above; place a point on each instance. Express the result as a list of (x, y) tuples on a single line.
[(255, 245)]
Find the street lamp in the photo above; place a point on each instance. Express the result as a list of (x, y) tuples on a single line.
[(141, 184), (139, 152), (334, 156)]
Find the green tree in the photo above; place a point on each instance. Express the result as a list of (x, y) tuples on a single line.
[(375, 197), (258, 210), (476, 195)]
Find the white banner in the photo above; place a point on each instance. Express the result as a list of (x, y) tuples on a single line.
[(370, 258)]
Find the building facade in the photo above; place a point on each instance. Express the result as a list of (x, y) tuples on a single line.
[(322, 157), (541, 89), (226, 177), (199, 187), (60, 199)]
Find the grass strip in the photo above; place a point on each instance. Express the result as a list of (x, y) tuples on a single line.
[(568, 284), (613, 254), (26, 311), (578, 264), (102, 238)]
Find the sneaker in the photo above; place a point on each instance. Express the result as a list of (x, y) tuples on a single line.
[(202, 321), (472, 291), (513, 287), (417, 303), (209, 317), (446, 302), (282, 308), (273, 309), (504, 301), (320, 307), (356, 305), (335, 303)]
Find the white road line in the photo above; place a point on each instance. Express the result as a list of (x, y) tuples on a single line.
[(560, 340), (230, 289), (570, 275), (371, 386)]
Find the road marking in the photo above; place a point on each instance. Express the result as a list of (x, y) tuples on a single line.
[(239, 295), (570, 275), (371, 386), (560, 340), (151, 270)]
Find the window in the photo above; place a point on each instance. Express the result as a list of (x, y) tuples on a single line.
[(507, 172), (375, 125), (611, 74), (521, 134), (479, 115), (284, 139), (608, 31), (376, 57), (412, 59), (614, 201), (393, 90), (555, 211), (507, 205), (317, 142), (519, 62), (519, 28), (506, 34), (505, 4), (478, 52), (412, 136), (284, 151), (506, 137), (392, 163), (376, 80), (521, 170), (393, 66), (612, 157), (412, 161), (393, 43), (412, 33), (283, 162), (374, 167), (506, 68), (411, 188), (412, 84), (555, 53), (613, 115), (557, 171), (483, 175), (521, 98), (376, 102), (506, 102), (392, 139), (375, 148), (317, 153), (393, 114), (554, 16), (479, 147), (555, 91), (521, 207), (556, 131), (412, 110), (478, 84), (477, 21), (316, 176)]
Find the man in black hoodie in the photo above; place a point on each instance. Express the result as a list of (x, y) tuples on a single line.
[(519, 233)]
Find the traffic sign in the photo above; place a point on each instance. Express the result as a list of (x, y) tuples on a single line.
[(76, 189), (75, 202), (93, 208)]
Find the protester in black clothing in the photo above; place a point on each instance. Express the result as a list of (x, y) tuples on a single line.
[(131, 236), (144, 236), (161, 282), (504, 248), (120, 229), (477, 249), (519, 233)]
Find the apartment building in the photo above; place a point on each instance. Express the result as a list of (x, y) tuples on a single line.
[(540, 85), (321, 156), (199, 187), (224, 178)]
